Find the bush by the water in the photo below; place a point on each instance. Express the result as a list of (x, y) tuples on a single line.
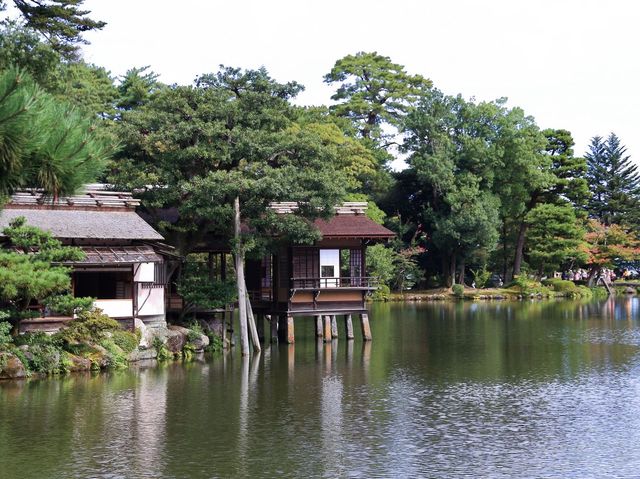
[(528, 286), (458, 290), (561, 285)]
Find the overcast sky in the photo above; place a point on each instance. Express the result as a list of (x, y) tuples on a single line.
[(572, 64)]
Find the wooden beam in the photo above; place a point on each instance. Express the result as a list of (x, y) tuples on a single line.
[(318, 326), (334, 327)]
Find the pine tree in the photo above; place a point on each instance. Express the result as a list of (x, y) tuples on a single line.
[(44, 143), (61, 22), (614, 181)]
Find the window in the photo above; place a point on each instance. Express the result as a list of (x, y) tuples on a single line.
[(103, 284), (328, 271)]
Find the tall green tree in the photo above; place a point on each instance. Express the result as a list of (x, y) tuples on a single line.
[(215, 154), (61, 22), (373, 91), (555, 238), (614, 181)]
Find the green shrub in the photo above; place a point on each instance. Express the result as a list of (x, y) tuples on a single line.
[(163, 353), (215, 343), (68, 305), (525, 285), (480, 277), (126, 340), (561, 285), (45, 358), (88, 326), (382, 293), (5, 333), (117, 358), (195, 331), (458, 290)]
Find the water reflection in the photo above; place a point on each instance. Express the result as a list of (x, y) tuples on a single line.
[(532, 389)]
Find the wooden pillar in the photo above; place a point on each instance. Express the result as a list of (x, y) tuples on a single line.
[(327, 329), (285, 329), (348, 325), (366, 330), (318, 326), (334, 327), (260, 326), (273, 321)]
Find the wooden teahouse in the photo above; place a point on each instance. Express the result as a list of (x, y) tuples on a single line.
[(324, 280), (125, 266)]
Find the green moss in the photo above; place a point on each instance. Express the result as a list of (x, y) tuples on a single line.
[(126, 340)]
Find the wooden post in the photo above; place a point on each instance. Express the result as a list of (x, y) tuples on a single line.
[(334, 327), (348, 324), (327, 329), (366, 330), (260, 326), (252, 327), (318, 326), (273, 322), (285, 329), (290, 332)]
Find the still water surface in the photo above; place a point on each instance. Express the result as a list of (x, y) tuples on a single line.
[(497, 390)]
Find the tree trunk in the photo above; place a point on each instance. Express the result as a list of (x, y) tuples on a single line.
[(242, 291), (450, 271), (593, 276), (462, 269), (504, 250), (517, 259)]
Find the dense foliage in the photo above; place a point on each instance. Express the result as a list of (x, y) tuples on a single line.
[(485, 190)]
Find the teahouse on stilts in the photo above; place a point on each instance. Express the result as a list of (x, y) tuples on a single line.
[(324, 280)]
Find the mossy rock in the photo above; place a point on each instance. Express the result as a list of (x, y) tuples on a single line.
[(11, 367)]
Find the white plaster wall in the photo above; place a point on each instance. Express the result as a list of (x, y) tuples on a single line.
[(115, 308), (150, 301), (330, 257)]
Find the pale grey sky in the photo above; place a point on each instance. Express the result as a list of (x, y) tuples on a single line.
[(571, 64)]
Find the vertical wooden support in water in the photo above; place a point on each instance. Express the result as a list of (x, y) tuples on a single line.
[(334, 327), (327, 329), (285, 329), (319, 326), (260, 326), (364, 324), (273, 322), (348, 325)]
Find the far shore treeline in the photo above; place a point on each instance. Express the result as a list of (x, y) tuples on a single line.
[(485, 190)]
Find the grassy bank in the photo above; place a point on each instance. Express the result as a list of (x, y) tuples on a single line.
[(519, 290)]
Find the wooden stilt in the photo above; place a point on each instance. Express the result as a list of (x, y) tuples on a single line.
[(285, 329), (348, 325), (290, 332), (282, 328), (334, 327), (273, 322), (253, 330), (260, 326), (366, 330), (319, 326), (327, 329)]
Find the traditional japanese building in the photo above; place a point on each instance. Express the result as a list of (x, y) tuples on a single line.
[(323, 280), (125, 266)]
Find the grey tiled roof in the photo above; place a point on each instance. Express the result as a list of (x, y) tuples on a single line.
[(71, 223)]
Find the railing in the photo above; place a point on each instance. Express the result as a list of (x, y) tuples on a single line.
[(364, 282)]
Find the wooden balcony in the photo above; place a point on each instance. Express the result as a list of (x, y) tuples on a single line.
[(365, 283)]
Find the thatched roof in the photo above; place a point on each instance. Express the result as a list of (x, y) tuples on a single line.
[(73, 223)]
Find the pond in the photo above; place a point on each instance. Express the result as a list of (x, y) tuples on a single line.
[(499, 390)]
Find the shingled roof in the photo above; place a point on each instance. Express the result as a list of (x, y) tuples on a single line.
[(352, 226), (94, 214), (350, 221)]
